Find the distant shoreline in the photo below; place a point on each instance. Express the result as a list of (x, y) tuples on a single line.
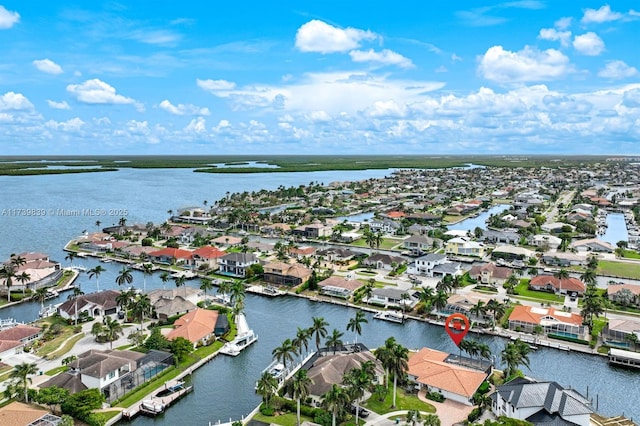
[(39, 165)]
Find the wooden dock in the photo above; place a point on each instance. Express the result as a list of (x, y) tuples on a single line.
[(163, 402)]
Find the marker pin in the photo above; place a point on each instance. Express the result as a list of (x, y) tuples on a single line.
[(457, 326)]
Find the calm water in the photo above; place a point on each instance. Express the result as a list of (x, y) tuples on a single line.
[(478, 221), (616, 229), (224, 387)]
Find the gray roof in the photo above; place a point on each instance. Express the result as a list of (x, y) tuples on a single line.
[(390, 292), (432, 257), (240, 257)]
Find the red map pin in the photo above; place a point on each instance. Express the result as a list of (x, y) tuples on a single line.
[(457, 326)]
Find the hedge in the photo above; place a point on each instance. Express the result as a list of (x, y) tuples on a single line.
[(568, 339)]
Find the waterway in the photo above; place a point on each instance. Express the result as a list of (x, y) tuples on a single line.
[(479, 221), (616, 229), (224, 387)]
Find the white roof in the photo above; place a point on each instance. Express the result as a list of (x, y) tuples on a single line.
[(624, 354)]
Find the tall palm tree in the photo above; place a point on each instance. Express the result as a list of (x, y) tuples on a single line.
[(70, 256), (77, 292), (398, 364), (383, 354), (180, 281), (319, 328), (142, 308), (164, 277), (147, 269), (301, 341), (513, 355), (335, 340), (266, 387), (237, 296), (8, 273), (112, 329), (125, 299), (284, 352), (95, 272), (335, 401), (124, 276), (478, 309), (23, 278), (298, 387), (40, 296), (355, 323), (497, 309), (21, 373), (440, 301), (589, 277), (357, 381), (206, 284)]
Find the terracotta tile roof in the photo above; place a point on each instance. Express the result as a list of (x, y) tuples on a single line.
[(195, 325), (172, 252), (336, 281), (208, 252), (614, 288), (19, 414), (429, 368), (19, 332), (5, 345), (535, 315), (106, 299), (568, 284)]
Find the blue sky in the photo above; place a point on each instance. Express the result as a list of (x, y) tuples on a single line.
[(325, 77)]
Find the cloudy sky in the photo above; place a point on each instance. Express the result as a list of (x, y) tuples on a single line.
[(322, 77)]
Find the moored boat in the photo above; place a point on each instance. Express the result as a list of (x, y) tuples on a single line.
[(392, 316)]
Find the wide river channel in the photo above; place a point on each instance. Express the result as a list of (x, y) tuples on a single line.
[(223, 388)]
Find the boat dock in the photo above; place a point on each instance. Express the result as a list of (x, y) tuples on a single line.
[(158, 403), (268, 290), (624, 358)]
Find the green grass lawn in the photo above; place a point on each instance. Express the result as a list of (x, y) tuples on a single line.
[(288, 419), (54, 344), (403, 402), (110, 414), (143, 390), (631, 254), (56, 370), (523, 290), (619, 269), (66, 348)]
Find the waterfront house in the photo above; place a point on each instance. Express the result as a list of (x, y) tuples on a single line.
[(96, 304), (172, 256), (545, 241), (430, 370), (14, 339), (98, 369), (383, 261), (593, 245), (227, 241), (198, 327), (207, 257), (624, 294), (329, 369), (464, 303), (276, 229), (563, 259), (166, 308), (570, 286), (501, 236), (434, 265), (20, 414), (618, 331), (385, 226), (509, 252), (313, 230), (464, 246), (418, 244), (236, 264), (339, 287), (393, 297), (545, 403), (550, 320), (490, 274), (42, 271), (285, 273)]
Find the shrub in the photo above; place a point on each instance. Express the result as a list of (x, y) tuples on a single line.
[(147, 242), (474, 415), (266, 410), (435, 396), (568, 339)]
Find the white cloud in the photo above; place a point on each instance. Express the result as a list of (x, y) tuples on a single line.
[(529, 64), (182, 109), (563, 23), (96, 91), (616, 70), (71, 125), (8, 18), (604, 14), (588, 44), (318, 36), (197, 125), (58, 105), (48, 66), (135, 127), (12, 101), (318, 117), (215, 85), (385, 57), (159, 37), (554, 35)]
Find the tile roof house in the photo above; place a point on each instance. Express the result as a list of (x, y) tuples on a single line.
[(339, 287), (98, 369), (383, 261), (198, 327), (13, 340), (527, 318), (41, 270), (286, 273), (207, 256), (95, 304), (541, 403), (592, 244), (490, 274), (628, 294), (570, 286), (620, 329), (20, 414), (236, 264), (428, 368), (419, 244), (170, 256)]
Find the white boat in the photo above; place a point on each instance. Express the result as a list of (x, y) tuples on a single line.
[(151, 406), (105, 260), (392, 316), (244, 337), (47, 311), (51, 294)]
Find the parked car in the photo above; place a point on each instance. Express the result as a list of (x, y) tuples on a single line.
[(363, 412)]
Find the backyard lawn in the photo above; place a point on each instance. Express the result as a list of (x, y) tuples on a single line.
[(619, 269), (522, 289), (403, 402), (288, 419)]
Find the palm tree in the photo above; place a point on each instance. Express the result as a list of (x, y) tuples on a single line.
[(23, 278), (513, 355), (95, 272), (164, 277), (266, 387), (440, 301), (181, 281), (589, 277), (21, 373), (511, 283), (367, 291), (484, 351), (334, 401), (355, 323), (284, 352), (431, 420), (497, 309), (142, 308), (8, 273), (398, 364), (413, 417), (383, 354), (302, 341), (125, 299), (77, 292), (478, 309), (147, 269), (206, 284), (124, 277), (112, 329), (319, 328), (40, 296), (357, 380), (224, 287), (70, 256), (298, 387), (335, 340), (237, 296)]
